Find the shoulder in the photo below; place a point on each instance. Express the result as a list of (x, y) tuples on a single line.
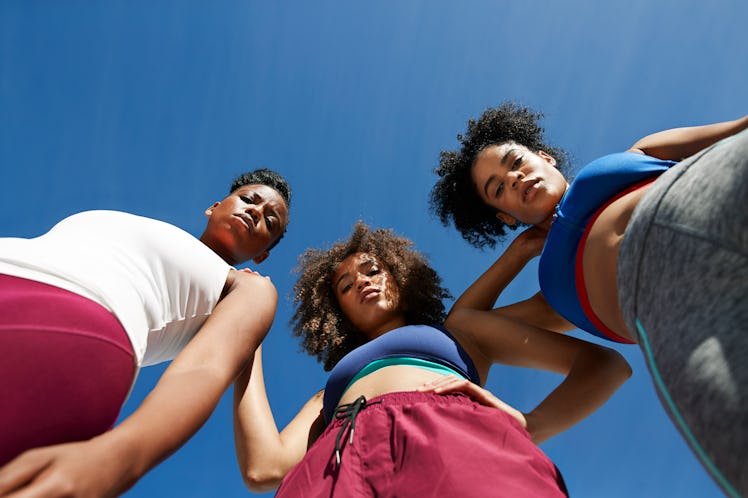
[(250, 283)]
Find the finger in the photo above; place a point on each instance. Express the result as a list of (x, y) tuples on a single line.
[(452, 384), (439, 381), (21, 471), (45, 485)]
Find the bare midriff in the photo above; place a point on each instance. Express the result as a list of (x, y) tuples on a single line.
[(391, 379), (600, 260)]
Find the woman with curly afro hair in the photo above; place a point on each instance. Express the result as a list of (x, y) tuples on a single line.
[(646, 246), (403, 412)]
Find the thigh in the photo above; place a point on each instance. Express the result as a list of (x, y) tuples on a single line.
[(683, 285), (67, 367), (451, 446)]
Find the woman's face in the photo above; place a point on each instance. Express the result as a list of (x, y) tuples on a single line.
[(523, 186), (368, 295)]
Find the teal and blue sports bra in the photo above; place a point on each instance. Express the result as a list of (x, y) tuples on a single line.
[(424, 346)]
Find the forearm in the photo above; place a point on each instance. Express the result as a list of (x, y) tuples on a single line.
[(484, 292), (259, 448), (190, 389), (595, 375), (156, 429), (679, 143)]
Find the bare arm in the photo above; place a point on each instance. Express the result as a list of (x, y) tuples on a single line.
[(592, 373), (265, 455), (484, 292), (181, 402), (679, 143)]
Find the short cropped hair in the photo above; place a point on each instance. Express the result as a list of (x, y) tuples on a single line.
[(271, 179)]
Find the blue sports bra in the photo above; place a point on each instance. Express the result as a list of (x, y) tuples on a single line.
[(597, 183), (432, 343)]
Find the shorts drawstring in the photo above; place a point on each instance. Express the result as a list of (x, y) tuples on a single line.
[(349, 412)]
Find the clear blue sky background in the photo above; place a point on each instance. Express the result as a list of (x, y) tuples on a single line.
[(152, 107)]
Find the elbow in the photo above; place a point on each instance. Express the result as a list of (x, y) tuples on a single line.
[(618, 369), (456, 318), (261, 480)]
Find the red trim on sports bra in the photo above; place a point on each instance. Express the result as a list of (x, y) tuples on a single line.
[(582, 295)]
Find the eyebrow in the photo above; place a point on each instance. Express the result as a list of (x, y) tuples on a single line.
[(363, 265), (490, 180), (340, 278), (511, 149), (271, 210), (502, 161)]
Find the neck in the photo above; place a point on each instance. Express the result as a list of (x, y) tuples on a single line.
[(217, 248), (546, 223), (392, 324)]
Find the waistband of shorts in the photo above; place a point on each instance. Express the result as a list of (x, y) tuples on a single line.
[(400, 398)]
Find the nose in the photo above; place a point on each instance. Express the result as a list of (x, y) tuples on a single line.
[(255, 211), (513, 178), (362, 281)]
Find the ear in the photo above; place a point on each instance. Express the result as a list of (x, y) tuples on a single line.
[(508, 220), (262, 257), (209, 211), (549, 158)]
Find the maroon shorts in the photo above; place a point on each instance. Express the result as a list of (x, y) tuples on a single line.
[(66, 366), (422, 445)]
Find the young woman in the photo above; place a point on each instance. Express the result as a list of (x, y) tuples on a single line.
[(642, 246), (370, 309), (104, 293)]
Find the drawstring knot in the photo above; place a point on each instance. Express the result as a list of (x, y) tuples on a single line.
[(348, 412)]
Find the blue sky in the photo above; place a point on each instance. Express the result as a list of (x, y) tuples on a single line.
[(153, 107)]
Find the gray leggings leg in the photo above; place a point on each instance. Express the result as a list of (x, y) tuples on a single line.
[(683, 287)]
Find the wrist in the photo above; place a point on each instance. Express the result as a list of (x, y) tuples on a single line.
[(122, 457), (533, 425)]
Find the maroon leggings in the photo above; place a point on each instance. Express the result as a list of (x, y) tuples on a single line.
[(66, 366)]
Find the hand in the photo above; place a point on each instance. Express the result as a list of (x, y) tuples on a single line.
[(82, 469), (249, 271), (530, 241), (452, 384)]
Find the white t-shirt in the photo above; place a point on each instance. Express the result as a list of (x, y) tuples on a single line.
[(159, 281)]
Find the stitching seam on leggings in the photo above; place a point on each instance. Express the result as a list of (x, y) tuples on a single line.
[(679, 420), (105, 340), (714, 240), (648, 229)]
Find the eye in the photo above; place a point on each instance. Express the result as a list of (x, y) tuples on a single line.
[(499, 189), (244, 199), (346, 288), (372, 272), (269, 223), (517, 162)]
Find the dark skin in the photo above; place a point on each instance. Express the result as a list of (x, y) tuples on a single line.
[(674, 144), (191, 386), (364, 291)]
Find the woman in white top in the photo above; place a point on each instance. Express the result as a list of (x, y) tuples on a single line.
[(103, 293)]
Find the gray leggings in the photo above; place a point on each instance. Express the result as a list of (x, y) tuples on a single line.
[(683, 287)]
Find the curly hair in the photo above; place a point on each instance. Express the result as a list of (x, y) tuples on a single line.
[(271, 179), (319, 321), (454, 198)]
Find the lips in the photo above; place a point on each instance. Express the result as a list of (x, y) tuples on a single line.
[(529, 189), (369, 294), (248, 221)]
